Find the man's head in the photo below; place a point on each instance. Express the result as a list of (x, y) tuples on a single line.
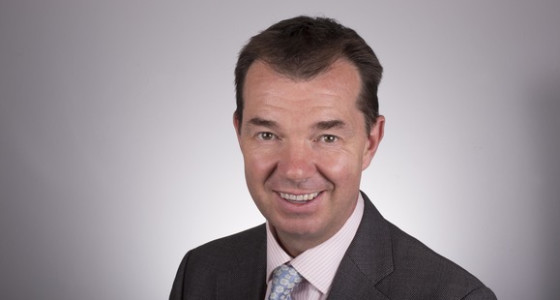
[(304, 135), (303, 47)]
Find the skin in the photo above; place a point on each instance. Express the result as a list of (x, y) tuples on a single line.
[(302, 137)]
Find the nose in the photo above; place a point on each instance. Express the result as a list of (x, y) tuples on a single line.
[(296, 162)]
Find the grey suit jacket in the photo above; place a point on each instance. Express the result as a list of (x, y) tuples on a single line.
[(382, 262)]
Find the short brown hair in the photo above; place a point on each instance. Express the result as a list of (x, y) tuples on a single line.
[(303, 47)]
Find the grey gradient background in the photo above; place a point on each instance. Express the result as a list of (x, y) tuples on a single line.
[(117, 151)]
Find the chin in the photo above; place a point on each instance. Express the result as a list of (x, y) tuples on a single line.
[(308, 229)]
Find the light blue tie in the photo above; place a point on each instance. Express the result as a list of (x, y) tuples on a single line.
[(284, 279)]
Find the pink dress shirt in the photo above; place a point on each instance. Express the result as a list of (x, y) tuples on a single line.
[(317, 265)]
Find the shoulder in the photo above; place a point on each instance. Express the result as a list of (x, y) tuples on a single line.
[(401, 267), (421, 273), (223, 252), (201, 267)]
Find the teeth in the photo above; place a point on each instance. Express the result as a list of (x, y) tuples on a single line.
[(299, 198)]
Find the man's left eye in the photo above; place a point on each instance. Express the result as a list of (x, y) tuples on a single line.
[(327, 138)]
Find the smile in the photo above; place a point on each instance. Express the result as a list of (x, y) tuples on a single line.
[(302, 198)]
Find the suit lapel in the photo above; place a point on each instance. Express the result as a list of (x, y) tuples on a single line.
[(368, 259), (247, 279)]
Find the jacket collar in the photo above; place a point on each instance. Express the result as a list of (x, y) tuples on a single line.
[(367, 261)]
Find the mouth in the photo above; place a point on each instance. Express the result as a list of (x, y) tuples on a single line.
[(299, 198)]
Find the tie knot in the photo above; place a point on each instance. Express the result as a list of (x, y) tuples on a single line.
[(284, 279)]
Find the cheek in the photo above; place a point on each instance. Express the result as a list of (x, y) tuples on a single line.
[(257, 165), (341, 167)]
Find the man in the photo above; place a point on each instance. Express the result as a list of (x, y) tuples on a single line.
[(307, 122)]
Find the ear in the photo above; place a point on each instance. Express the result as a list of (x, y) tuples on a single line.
[(374, 138), (236, 124)]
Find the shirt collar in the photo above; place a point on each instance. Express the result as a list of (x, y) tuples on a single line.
[(317, 265)]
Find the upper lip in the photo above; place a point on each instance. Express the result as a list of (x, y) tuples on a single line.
[(296, 192)]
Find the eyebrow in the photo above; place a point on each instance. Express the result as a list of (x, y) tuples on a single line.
[(322, 125), (326, 125), (263, 123)]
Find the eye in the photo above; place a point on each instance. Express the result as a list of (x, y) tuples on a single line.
[(266, 136), (328, 138)]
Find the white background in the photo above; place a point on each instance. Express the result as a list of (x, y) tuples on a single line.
[(117, 152)]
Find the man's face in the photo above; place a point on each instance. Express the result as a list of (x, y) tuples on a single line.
[(305, 146)]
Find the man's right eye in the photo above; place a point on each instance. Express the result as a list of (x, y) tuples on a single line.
[(266, 136)]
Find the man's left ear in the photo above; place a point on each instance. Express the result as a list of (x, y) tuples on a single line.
[(374, 138)]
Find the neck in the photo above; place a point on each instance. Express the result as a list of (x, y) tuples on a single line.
[(294, 246)]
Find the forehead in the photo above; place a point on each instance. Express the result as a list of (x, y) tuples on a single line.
[(338, 86)]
